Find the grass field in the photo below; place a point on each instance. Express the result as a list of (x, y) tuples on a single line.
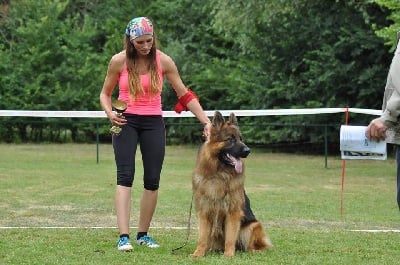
[(56, 207)]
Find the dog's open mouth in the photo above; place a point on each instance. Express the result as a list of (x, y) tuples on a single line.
[(233, 161)]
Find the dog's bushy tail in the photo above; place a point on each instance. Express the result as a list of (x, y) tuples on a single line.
[(253, 238)]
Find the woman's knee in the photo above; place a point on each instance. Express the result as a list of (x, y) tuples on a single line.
[(125, 176), (151, 186), (151, 183)]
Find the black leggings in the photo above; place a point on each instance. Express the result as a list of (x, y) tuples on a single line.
[(149, 133)]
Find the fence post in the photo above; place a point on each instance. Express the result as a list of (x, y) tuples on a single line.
[(97, 142), (326, 144)]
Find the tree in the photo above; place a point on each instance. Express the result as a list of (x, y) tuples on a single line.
[(54, 56), (234, 54), (389, 33), (304, 54)]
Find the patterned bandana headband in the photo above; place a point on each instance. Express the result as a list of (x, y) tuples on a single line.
[(138, 27)]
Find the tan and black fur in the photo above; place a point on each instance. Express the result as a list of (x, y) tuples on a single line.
[(218, 193)]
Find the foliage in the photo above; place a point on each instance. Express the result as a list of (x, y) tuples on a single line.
[(309, 54), (54, 58), (389, 33), (233, 54)]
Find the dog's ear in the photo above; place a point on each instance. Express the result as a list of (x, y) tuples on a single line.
[(218, 119), (233, 119)]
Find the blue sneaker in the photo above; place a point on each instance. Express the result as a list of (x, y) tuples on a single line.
[(124, 244), (147, 241)]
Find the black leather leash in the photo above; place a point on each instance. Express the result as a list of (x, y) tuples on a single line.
[(174, 251)]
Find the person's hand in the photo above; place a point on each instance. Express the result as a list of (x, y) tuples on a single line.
[(376, 130), (207, 129), (115, 119)]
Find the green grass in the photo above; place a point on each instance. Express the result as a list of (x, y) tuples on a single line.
[(295, 196)]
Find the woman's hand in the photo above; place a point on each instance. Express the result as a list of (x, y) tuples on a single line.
[(207, 129), (115, 119)]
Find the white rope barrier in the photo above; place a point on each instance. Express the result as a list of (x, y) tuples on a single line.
[(173, 114)]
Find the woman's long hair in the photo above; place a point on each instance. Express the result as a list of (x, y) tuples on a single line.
[(135, 85)]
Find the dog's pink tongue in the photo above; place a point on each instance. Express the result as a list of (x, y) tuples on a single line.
[(238, 166)]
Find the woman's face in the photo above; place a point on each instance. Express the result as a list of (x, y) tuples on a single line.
[(143, 44)]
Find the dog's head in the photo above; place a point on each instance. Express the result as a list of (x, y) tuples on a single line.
[(228, 133)]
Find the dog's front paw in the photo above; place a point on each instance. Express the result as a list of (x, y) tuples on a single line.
[(229, 253), (197, 254)]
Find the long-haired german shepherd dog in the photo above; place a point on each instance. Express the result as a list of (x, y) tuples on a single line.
[(218, 194)]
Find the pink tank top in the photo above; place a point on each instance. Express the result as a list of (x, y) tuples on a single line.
[(143, 104)]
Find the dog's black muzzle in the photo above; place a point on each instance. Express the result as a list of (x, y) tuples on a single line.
[(245, 151), (231, 155)]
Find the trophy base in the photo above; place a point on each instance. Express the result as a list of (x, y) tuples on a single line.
[(115, 130)]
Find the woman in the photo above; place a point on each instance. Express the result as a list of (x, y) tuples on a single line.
[(139, 70)]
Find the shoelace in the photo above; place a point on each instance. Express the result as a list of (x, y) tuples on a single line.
[(123, 240), (148, 240)]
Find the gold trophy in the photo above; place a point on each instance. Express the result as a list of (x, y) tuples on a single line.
[(119, 107)]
